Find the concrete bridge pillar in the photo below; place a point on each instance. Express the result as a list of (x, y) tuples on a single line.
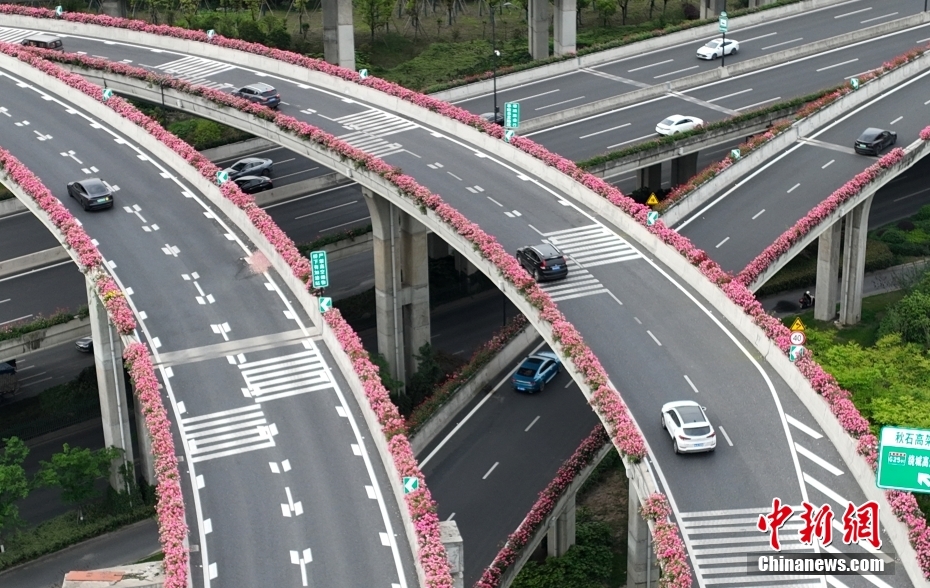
[(684, 168), (712, 8), (857, 226), (538, 21), (640, 560), (561, 534), (111, 385), (401, 283), (115, 8), (455, 551), (565, 27), (650, 177), (338, 33), (828, 272)]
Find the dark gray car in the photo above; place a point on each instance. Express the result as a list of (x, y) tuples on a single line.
[(250, 166), (873, 141), (91, 193), (543, 262)]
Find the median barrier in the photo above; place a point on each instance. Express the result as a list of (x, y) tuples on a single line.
[(569, 65), (238, 149), (24, 263), (11, 206), (45, 338), (302, 188)]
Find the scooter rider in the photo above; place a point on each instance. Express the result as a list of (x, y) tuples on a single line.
[(807, 300)]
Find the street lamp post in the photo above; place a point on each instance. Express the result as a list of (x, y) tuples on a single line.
[(494, 64)]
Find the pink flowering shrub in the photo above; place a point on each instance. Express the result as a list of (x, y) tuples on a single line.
[(172, 524), (669, 548)]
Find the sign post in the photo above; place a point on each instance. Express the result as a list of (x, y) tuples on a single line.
[(511, 115), (904, 459), (320, 268)]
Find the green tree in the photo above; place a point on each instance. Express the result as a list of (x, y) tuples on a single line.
[(428, 375), (394, 386), (375, 14), (605, 9), (13, 483), (75, 470)]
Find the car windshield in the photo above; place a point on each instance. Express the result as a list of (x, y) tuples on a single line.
[(697, 431), (668, 121), (711, 44), (239, 165), (96, 189)]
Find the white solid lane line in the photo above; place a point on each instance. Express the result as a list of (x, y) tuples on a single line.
[(792, 188), (530, 426), (649, 136), (750, 106), (845, 14), (604, 131), (559, 103), (828, 164), (750, 39), (873, 19), (722, 242), (677, 71), (782, 43), (485, 477), (654, 338), (690, 383), (758, 214), (730, 95), (325, 210), (7, 300), (837, 65), (650, 65), (14, 320)]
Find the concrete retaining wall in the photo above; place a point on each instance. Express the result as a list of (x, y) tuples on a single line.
[(65, 333), (9, 267), (238, 149), (755, 160), (720, 73), (349, 247), (570, 65), (517, 347), (302, 188), (10, 206)]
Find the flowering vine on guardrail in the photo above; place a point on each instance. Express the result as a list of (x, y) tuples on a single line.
[(625, 434), (669, 548), (172, 523), (544, 506)]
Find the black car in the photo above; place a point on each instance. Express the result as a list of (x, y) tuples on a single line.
[(492, 117), (543, 262), (260, 93), (873, 141), (253, 184), (91, 193), (250, 166), (85, 344)]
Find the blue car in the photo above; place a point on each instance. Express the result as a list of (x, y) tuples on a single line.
[(536, 371)]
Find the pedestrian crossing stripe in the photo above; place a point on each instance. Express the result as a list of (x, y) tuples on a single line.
[(369, 128), (13, 35), (228, 432), (288, 375), (593, 245), (578, 284), (190, 67)]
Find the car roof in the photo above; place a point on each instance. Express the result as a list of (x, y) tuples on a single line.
[(532, 361), (689, 411), (252, 160), (546, 250), (43, 37), (249, 178), (546, 355), (675, 117), (871, 133), (91, 182), (260, 86)]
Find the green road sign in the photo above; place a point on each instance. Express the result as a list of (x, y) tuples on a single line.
[(511, 115), (320, 269), (795, 352), (363, 73), (58, 10), (411, 484), (854, 82), (904, 459), (211, 33), (651, 218), (508, 135), (326, 303), (222, 177), (107, 93), (735, 154), (722, 22)]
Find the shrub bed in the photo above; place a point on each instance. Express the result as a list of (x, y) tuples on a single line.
[(17, 329)]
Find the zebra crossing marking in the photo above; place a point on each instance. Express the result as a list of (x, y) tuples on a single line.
[(14, 36), (593, 245), (196, 69), (289, 375), (228, 432), (578, 284), (368, 129)]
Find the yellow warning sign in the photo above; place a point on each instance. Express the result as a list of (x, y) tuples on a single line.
[(652, 200), (797, 325)]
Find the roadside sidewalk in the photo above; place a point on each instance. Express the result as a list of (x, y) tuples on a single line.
[(125, 546), (894, 278)]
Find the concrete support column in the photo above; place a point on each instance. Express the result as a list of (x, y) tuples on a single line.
[(437, 247), (115, 8), (828, 272), (111, 384), (538, 21), (684, 168), (711, 8), (639, 546), (650, 176), (144, 445), (414, 278), (857, 226), (564, 27), (561, 534), (338, 33), (758, 3), (455, 551)]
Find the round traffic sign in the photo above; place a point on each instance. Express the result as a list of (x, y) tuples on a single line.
[(798, 338)]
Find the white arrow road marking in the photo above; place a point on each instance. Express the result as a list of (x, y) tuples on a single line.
[(221, 329), (203, 299), (285, 466), (5, 112), (71, 155), (302, 559), (291, 506), (42, 137), (171, 250)]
